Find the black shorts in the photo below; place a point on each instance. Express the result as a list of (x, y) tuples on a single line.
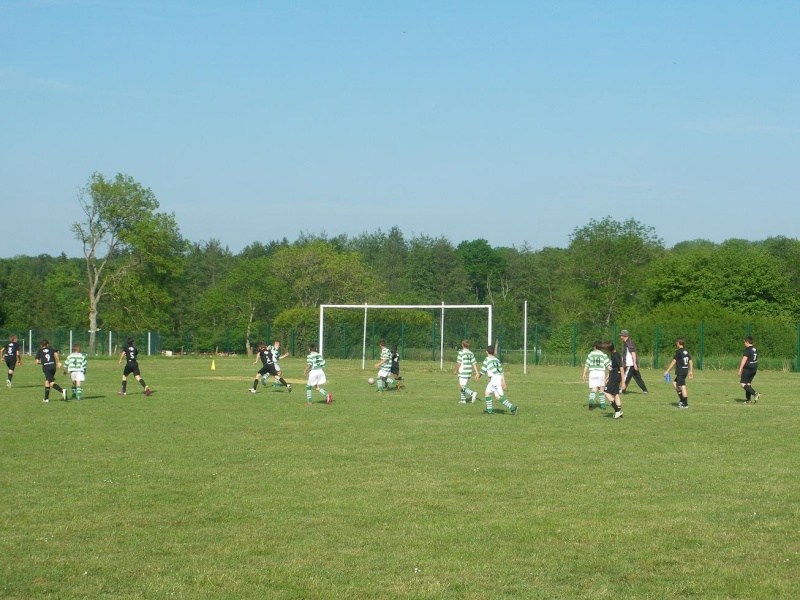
[(11, 362), (268, 369), (680, 378), (748, 375), (49, 374), (131, 367), (613, 385)]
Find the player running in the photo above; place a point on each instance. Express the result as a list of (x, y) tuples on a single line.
[(466, 367)]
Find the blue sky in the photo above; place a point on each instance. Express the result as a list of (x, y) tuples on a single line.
[(511, 121)]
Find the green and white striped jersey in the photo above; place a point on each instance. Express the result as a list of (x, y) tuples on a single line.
[(315, 361), (75, 362), (491, 366), (466, 358), (597, 361), (386, 356)]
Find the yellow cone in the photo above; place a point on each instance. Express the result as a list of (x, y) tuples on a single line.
[(213, 366)]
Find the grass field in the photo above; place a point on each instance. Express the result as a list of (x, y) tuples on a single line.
[(206, 491)]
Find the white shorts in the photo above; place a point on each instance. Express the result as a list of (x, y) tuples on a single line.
[(463, 381), (384, 372), (77, 376), (316, 377), (495, 387), (597, 379)]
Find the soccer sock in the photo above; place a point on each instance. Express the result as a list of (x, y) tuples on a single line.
[(506, 403), (58, 388), (602, 399), (142, 383), (468, 391), (390, 382), (685, 400), (10, 376), (46, 392), (592, 396), (488, 404), (255, 383), (680, 395), (323, 392), (124, 385), (308, 393), (283, 381), (74, 391), (79, 392), (463, 394)]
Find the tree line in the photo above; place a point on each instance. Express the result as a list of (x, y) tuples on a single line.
[(138, 273)]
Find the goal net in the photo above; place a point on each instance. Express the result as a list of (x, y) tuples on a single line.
[(420, 331)]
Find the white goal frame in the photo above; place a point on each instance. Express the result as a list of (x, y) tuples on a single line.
[(365, 307)]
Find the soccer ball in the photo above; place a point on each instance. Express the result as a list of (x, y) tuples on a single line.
[(371, 381)]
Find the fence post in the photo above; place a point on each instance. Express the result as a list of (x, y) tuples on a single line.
[(536, 343), (797, 361), (655, 352), (433, 341), (402, 340), (702, 344), (574, 344), (344, 340), (291, 336)]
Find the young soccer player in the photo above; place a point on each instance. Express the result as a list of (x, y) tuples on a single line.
[(12, 357), (315, 365), (262, 354), (384, 369), (275, 354), (682, 361), (395, 370), (466, 367), (615, 381), (75, 365), (496, 387), (130, 354), (48, 358), (747, 370), (596, 365)]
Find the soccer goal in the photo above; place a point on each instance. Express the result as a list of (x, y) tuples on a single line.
[(441, 309)]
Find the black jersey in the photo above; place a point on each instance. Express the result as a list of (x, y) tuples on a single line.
[(10, 350), (682, 359), (131, 353), (265, 354), (752, 358), (47, 356), (395, 363), (616, 365)]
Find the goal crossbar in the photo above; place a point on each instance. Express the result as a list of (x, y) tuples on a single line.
[(365, 307)]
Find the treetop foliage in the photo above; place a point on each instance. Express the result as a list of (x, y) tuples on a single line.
[(143, 272)]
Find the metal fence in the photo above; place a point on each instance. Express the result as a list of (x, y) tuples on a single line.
[(712, 344)]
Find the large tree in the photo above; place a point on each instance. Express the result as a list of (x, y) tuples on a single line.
[(121, 234), (609, 259)]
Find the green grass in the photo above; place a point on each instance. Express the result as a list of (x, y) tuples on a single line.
[(206, 491)]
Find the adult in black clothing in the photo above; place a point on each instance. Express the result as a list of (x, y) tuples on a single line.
[(747, 370), (631, 363)]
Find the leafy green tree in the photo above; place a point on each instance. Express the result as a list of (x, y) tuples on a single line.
[(433, 273), (735, 275), (485, 269), (609, 259), (245, 296), (121, 234), (317, 274)]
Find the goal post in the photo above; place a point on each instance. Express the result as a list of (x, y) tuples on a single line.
[(367, 307)]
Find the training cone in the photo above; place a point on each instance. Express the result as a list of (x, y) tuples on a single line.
[(213, 366)]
